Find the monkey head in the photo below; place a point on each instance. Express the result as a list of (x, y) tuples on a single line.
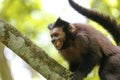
[(60, 33), (58, 37)]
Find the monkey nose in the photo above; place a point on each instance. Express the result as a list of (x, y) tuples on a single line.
[(53, 40)]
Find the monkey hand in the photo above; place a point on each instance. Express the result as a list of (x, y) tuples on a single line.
[(76, 76)]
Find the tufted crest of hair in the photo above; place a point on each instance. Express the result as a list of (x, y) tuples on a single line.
[(59, 23)]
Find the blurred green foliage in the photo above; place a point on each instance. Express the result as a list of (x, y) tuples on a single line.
[(25, 15), (30, 19)]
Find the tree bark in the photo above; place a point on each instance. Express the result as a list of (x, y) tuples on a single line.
[(31, 53)]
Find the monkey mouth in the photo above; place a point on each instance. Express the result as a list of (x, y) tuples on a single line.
[(58, 44)]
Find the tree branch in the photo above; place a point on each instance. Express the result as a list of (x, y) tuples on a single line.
[(31, 53)]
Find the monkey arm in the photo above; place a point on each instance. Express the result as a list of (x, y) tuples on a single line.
[(87, 60), (81, 69)]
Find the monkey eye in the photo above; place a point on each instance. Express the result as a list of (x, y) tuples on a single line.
[(55, 35)]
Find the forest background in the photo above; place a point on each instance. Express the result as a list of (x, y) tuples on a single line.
[(31, 18)]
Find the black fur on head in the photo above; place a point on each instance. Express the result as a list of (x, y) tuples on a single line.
[(59, 23)]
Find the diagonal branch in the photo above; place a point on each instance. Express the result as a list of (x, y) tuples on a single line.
[(31, 53)]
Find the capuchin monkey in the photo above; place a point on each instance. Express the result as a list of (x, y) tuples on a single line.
[(83, 47)]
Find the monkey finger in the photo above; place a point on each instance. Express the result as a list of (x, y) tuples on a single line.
[(75, 76)]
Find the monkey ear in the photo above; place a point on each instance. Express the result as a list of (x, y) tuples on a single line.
[(50, 26), (72, 28)]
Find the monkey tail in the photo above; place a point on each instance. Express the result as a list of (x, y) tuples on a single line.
[(109, 24)]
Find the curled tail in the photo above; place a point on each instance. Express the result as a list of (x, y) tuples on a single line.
[(109, 24)]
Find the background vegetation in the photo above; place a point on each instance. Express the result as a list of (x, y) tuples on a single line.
[(29, 18)]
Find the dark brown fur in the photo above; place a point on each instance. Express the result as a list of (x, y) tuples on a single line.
[(84, 47)]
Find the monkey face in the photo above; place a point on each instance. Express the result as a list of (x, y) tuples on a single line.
[(57, 37)]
